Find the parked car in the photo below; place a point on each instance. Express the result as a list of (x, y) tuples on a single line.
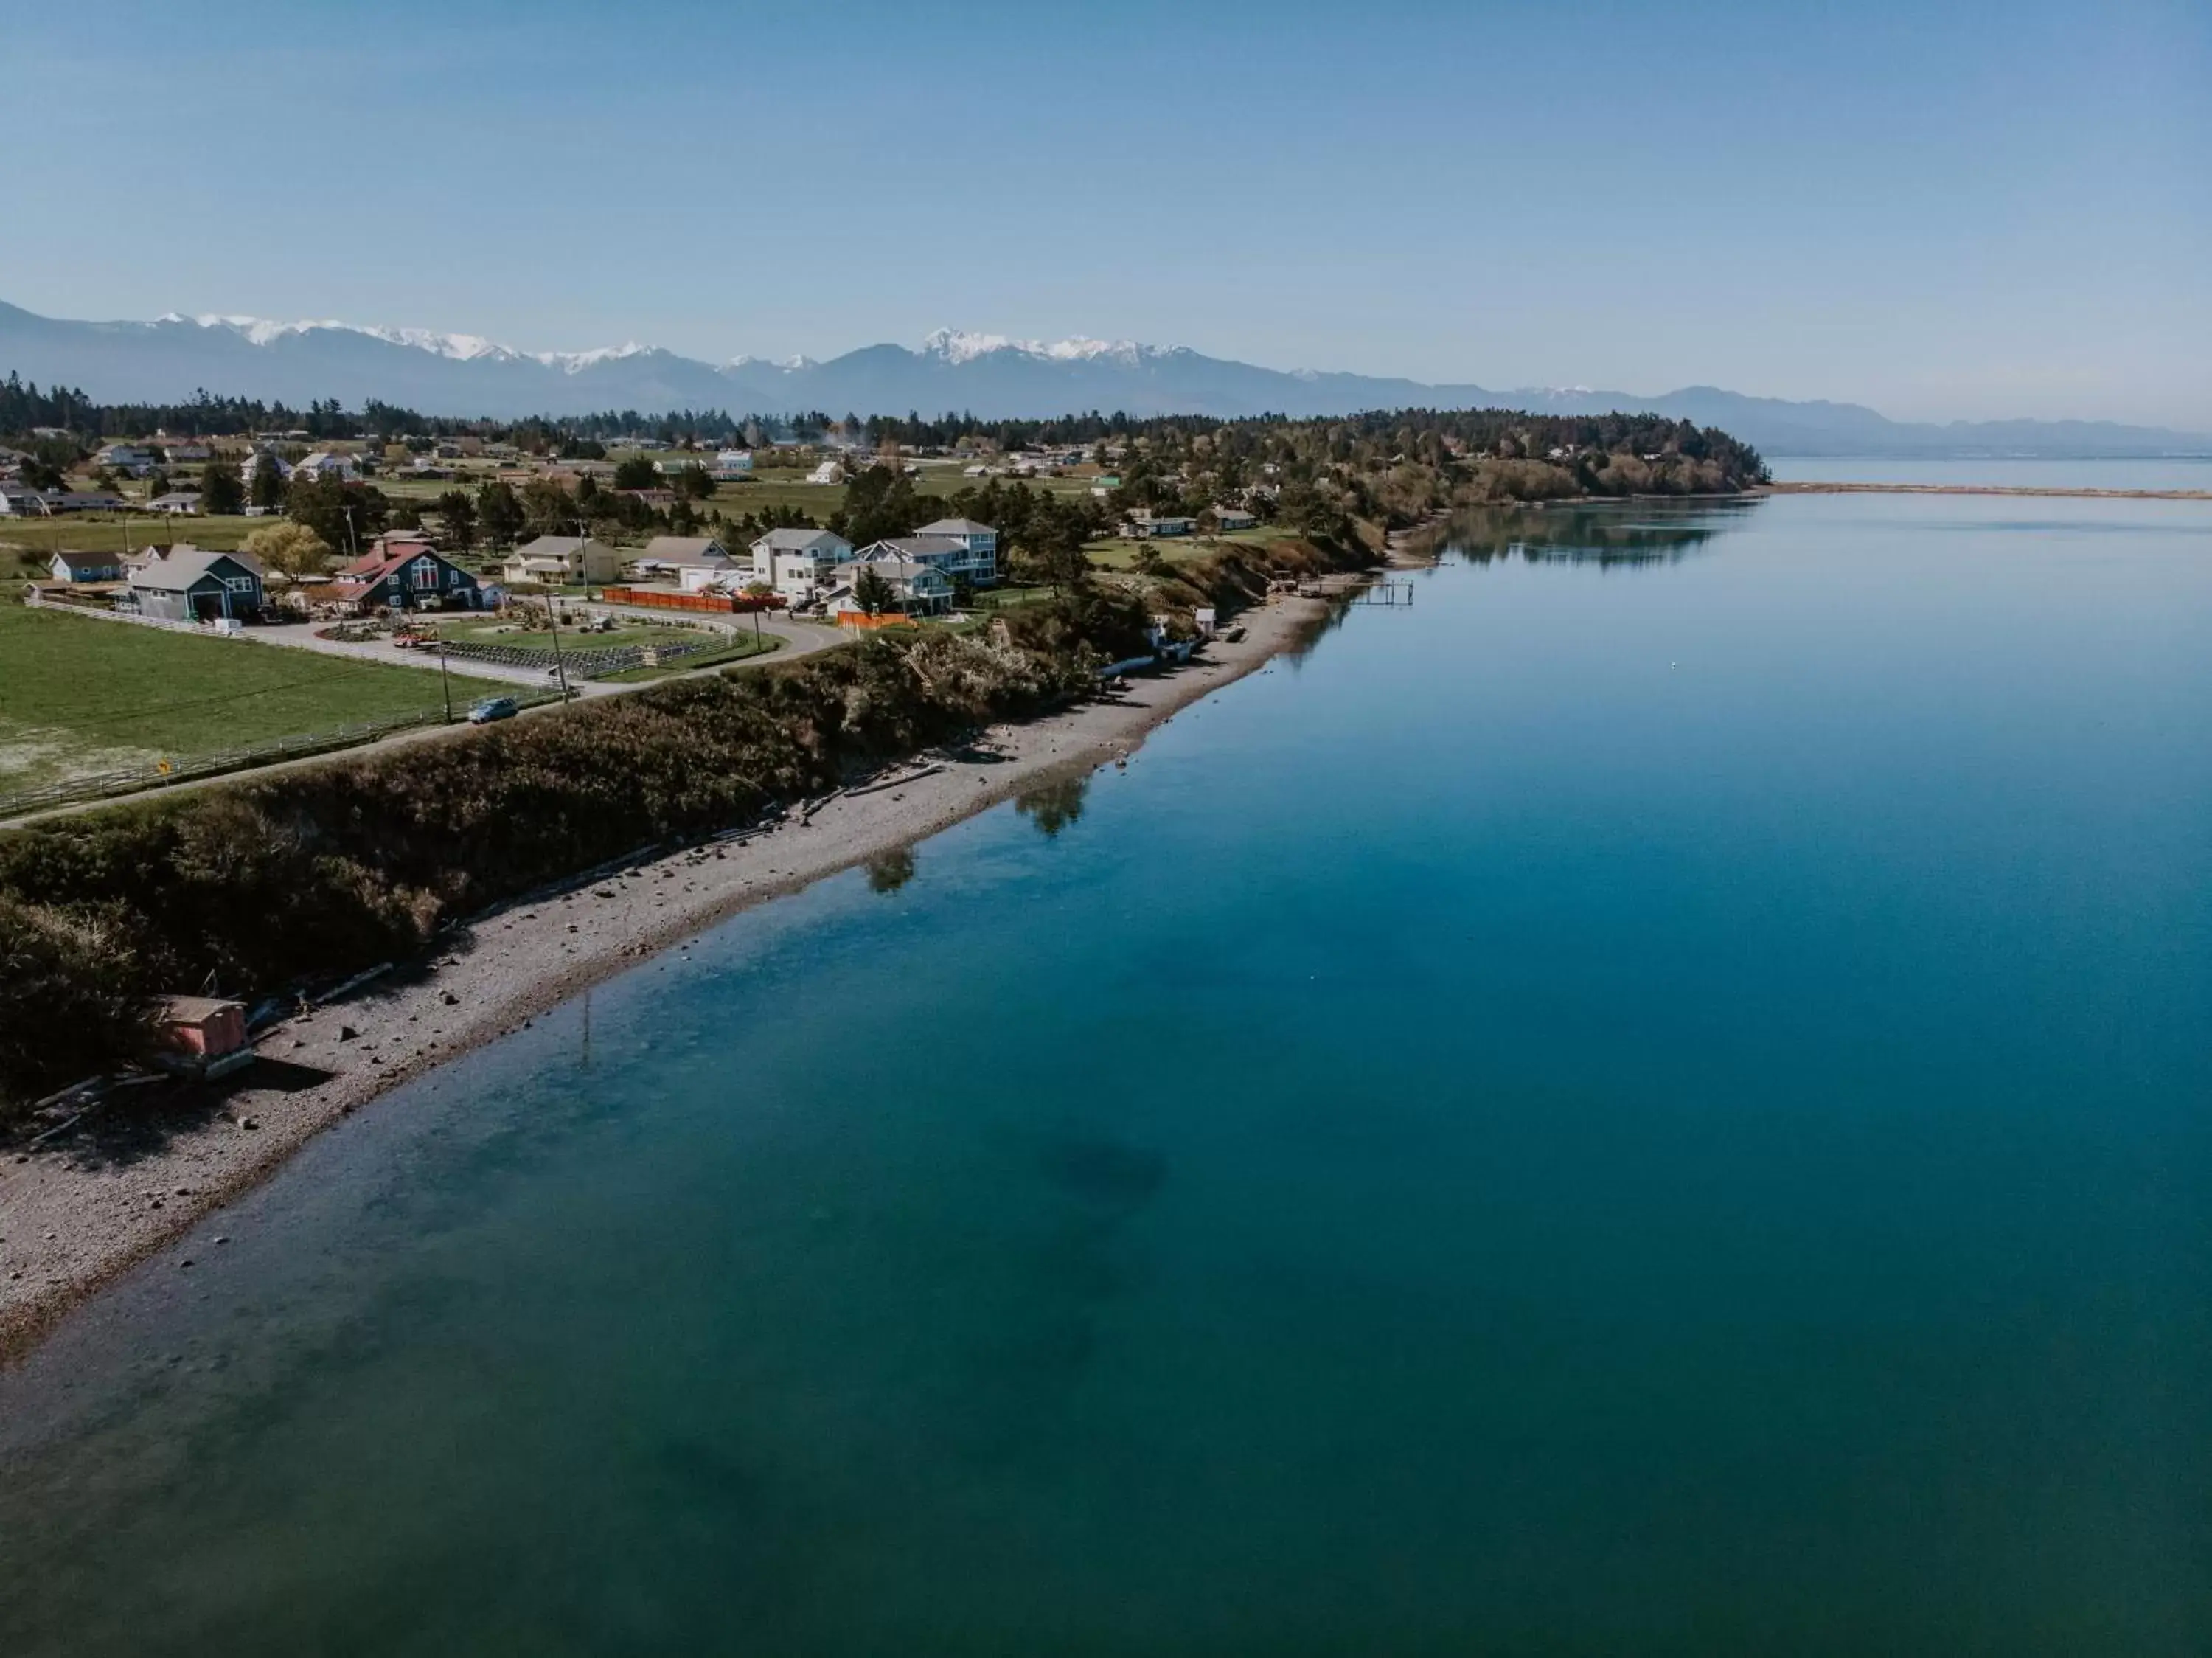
[(492, 708)]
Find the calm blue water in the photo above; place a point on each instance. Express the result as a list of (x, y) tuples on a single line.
[(2170, 472), (1652, 1103)]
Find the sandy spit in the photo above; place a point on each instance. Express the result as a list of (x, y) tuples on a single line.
[(85, 1206)]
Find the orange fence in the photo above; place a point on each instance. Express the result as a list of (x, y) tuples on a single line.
[(721, 603)]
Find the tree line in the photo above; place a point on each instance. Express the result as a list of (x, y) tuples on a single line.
[(1431, 437)]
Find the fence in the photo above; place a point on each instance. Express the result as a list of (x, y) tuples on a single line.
[(101, 612), (721, 603), (130, 780)]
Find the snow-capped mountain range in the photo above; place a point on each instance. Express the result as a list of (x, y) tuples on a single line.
[(460, 348), (991, 376)]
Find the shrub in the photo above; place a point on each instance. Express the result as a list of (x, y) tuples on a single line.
[(321, 871)]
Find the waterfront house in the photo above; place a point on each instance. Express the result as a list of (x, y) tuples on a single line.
[(733, 464), (798, 563), (80, 567), (917, 589), (981, 562), (191, 584), (945, 554), (556, 560), (1233, 518), (178, 504)]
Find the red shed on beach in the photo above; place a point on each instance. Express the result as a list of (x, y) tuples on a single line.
[(202, 1036)]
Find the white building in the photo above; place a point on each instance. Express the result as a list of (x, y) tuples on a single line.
[(799, 563), (556, 560), (324, 465), (699, 562), (829, 471)]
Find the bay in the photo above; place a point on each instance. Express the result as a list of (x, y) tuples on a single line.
[(2180, 471), (1655, 1100)]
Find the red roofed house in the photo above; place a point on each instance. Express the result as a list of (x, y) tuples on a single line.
[(406, 574)]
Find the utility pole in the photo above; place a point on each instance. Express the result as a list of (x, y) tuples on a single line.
[(445, 683)]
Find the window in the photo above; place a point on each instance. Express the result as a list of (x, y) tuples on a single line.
[(239, 583), (426, 572)]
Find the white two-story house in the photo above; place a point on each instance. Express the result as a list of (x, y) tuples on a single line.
[(799, 563)]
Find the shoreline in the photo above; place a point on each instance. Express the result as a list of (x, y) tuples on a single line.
[(95, 1201)]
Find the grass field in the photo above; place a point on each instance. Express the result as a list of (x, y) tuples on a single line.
[(78, 695), (95, 532)]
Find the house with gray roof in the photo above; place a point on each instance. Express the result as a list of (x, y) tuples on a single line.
[(556, 560), (981, 563), (192, 584), (79, 567), (798, 563), (917, 589), (947, 555), (697, 562)]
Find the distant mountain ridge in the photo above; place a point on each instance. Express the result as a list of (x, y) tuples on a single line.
[(989, 376)]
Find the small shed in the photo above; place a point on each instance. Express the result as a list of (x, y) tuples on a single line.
[(202, 1036)]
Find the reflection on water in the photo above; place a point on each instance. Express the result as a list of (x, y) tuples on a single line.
[(888, 871), (1624, 532), (1053, 806)]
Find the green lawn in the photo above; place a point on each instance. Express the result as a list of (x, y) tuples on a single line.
[(79, 695), (101, 532)]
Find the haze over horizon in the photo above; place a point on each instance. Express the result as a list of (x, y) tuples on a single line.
[(1982, 215)]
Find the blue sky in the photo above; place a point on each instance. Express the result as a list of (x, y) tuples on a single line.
[(1951, 210)]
